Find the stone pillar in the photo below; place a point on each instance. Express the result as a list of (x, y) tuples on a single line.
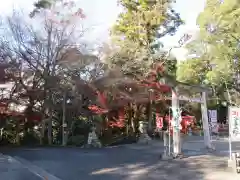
[(176, 115), (166, 143), (93, 139), (167, 154), (144, 138), (207, 137)]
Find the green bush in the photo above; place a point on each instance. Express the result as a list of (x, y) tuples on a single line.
[(29, 139), (77, 140)]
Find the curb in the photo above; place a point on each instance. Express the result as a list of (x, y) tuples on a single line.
[(36, 170), (44, 175)]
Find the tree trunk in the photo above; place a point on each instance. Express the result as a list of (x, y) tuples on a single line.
[(50, 113), (17, 131), (50, 128), (149, 115), (42, 132), (64, 133), (130, 117), (137, 114), (133, 125)]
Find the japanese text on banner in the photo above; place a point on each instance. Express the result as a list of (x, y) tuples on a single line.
[(234, 123)]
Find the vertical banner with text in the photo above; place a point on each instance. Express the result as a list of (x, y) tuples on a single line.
[(213, 125), (159, 121), (234, 123)]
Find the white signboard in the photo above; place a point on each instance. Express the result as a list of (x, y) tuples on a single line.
[(234, 123), (212, 114), (90, 137)]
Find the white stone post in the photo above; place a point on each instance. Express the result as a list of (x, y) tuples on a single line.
[(166, 151), (93, 139), (207, 138), (176, 122), (144, 138)]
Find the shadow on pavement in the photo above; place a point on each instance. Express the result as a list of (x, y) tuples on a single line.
[(12, 170), (172, 170), (199, 167), (119, 163)]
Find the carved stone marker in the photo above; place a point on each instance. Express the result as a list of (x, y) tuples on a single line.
[(93, 139), (144, 138)]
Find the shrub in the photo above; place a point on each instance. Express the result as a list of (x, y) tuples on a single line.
[(77, 140)]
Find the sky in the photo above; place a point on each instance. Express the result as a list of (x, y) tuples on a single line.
[(101, 14), (189, 11)]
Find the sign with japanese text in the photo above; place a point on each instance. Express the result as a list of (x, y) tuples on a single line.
[(159, 121), (234, 123), (212, 116), (213, 125)]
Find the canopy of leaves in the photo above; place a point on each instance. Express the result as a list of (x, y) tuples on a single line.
[(192, 71), (143, 22), (219, 30), (46, 61), (216, 47), (136, 34), (41, 4)]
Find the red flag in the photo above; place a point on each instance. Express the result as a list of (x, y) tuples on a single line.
[(159, 121)]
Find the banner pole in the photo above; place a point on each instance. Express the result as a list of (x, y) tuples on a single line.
[(229, 136), (169, 134)]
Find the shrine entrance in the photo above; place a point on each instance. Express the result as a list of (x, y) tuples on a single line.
[(128, 91), (178, 129), (202, 99)]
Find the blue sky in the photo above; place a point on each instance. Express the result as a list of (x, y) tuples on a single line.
[(101, 14)]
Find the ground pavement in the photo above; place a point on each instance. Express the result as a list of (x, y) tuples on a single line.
[(128, 162), (10, 169)]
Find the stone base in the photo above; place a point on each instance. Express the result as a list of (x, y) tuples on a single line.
[(230, 163), (178, 156), (92, 145), (232, 166), (165, 157), (93, 140), (144, 139), (211, 149), (96, 143)]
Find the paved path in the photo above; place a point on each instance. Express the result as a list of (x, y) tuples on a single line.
[(10, 169), (129, 162)]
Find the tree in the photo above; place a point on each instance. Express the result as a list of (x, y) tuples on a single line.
[(192, 71), (42, 4), (136, 35), (136, 38), (144, 22), (218, 46), (219, 30), (45, 60)]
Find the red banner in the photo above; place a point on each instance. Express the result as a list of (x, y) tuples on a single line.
[(159, 121)]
